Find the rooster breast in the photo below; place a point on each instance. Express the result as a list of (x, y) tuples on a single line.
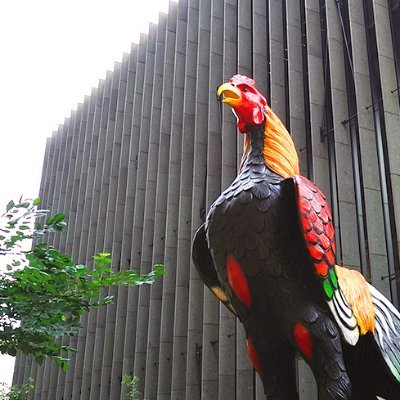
[(253, 222)]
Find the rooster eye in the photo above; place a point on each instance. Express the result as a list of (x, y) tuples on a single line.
[(245, 89)]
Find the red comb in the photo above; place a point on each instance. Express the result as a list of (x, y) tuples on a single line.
[(240, 79)]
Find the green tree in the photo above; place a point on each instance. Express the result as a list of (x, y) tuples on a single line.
[(131, 383), (43, 293), (16, 392)]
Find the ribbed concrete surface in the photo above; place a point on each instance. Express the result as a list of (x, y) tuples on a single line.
[(138, 163)]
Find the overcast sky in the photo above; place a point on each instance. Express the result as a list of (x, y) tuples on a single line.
[(52, 52)]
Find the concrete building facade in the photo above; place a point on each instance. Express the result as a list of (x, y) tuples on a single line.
[(137, 164)]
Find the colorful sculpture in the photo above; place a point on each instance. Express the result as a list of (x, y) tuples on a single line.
[(267, 251)]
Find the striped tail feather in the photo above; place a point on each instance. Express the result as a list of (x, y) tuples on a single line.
[(387, 330), (344, 317)]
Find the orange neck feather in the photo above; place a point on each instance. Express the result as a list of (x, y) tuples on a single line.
[(280, 154)]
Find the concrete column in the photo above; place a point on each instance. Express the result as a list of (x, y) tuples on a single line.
[(277, 56), (121, 172), (210, 350), (83, 179), (72, 247), (62, 187), (297, 96), (115, 161), (196, 287), (105, 215), (167, 206), (138, 153), (320, 165), (101, 196), (91, 212), (65, 189), (88, 321), (260, 46), (141, 154), (229, 138), (244, 56), (179, 359), (53, 196), (68, 175), (17, 368), (125, 206), (148, 188), (131, 315)]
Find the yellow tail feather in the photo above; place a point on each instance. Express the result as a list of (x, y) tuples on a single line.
[(356, 291)]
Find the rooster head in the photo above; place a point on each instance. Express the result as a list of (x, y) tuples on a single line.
[(247, 103)]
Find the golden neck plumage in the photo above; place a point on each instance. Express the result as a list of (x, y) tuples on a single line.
[(280, 154)]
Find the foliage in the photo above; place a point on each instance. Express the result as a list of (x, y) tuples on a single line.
[(43, 293), (131, 383), (16, 392)]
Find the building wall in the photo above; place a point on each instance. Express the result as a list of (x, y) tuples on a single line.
[(136, 166)]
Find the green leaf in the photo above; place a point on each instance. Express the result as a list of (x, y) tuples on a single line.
[(24, 204), (58, 218), (10, 205), (36, 202), (48, 292)]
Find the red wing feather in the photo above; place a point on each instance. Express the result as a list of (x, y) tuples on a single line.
[(319, 236), (317, 226)]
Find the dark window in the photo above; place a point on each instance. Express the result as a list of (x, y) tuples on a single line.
[(306, 87), (286, 65), (394, 13)]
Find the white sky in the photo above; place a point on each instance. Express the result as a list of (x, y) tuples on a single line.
[(52, 52)]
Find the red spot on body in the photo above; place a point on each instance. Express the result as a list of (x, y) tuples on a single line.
[(254, 358), (237, 280), (303, 340)]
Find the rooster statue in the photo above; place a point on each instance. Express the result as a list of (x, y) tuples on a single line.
[(267, 251)]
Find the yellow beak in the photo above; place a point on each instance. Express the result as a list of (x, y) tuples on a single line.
[(231, 94)]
